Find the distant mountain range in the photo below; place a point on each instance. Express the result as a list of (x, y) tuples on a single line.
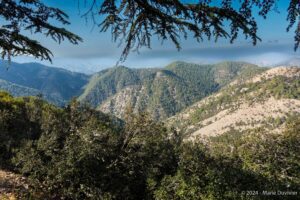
[(161, 92), (188, 96), (227, 98), (56, 85)]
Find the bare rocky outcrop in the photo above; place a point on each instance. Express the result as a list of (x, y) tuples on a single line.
[(247, 108), (129, 97), (288, 72), (247, 116)]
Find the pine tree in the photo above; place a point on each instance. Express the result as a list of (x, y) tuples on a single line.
[(30, 16), (136, 22)]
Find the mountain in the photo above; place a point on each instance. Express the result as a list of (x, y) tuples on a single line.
[(18, 90), (75, 152), (266, 101), (55, 84), (162, 92), (21, 91)]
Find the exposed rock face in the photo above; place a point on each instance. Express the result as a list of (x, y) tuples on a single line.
[(161, 92), (129, 97), (265, 101), (248, 116)]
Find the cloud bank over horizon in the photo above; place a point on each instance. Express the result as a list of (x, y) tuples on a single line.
[(265, 54), (98, 52)]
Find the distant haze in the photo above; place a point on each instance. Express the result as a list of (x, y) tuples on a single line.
[(98, 51)]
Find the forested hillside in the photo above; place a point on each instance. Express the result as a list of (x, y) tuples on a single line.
[(79, 153), (243, 135), (185, 131), (56, 85), (162, 92), (17, 90)]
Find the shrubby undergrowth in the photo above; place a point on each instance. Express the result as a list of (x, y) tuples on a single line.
[(79, 153)]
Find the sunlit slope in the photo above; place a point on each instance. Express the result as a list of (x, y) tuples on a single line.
[(265, 101)]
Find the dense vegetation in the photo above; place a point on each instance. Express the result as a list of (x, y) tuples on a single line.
[(78, 153), (161, 92), (56, 85)]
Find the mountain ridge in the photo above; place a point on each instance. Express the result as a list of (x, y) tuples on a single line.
[(55, 84), (162, 92), (266, 100)]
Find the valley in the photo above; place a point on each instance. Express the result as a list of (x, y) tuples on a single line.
[(160, 92), (150, 100), (137, 132), (202, 100)]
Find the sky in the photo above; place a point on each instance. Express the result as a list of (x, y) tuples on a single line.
[(98, 52)]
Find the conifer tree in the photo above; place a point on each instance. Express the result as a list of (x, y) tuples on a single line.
[(136, 22), (21, 17)]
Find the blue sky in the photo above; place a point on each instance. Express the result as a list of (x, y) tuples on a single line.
[(98, 51)]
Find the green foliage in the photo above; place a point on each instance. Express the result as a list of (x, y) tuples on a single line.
[(163, 92), (136, 22), (201, 176), (275, 157), (106, 83), (79, 153), (33, 17)]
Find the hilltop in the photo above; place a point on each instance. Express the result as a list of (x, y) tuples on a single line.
[(162, 92), (265, 101), (75, 152)]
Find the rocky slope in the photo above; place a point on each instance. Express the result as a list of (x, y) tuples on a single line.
[(265, 101), (162, 92)]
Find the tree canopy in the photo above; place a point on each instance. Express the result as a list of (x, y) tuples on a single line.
[(135, 22), (33, 16), (79, 153)]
